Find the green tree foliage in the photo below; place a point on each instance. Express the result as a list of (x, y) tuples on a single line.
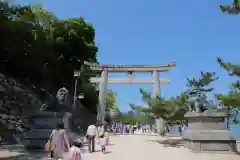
[(111, 102), (202, 83), (232, 98), (133, 118), (180, 103), (174, 108), (232, 69), (168, 109), (111, 106), (160, 107), (42, 51)]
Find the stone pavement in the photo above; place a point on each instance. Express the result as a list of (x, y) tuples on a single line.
[(17, 152), (139, 147), (152, 147)]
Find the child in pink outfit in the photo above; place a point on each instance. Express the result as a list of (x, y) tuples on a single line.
[(74, 152), (103, 143)]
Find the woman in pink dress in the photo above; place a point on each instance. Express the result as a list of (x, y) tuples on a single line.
[(59, 142)]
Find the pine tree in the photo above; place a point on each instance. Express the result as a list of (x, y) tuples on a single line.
[(202, 83), (231, 100)]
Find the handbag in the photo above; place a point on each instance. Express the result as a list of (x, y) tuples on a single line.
[(48, 147)]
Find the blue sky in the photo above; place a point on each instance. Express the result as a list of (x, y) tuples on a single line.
[(190, 33)]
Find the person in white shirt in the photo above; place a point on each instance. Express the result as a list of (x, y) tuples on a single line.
[(91, 134), (101, 130)]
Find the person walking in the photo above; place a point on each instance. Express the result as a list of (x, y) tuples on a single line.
[(91, 135), (59, 142), (114, 129), (132, 129), (139, 126), (74, 152), (101, 130), (167, 129), (180, 130), (106, 135), (103, 143)]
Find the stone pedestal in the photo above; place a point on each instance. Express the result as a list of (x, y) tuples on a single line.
[(43, 124), (208, 132)]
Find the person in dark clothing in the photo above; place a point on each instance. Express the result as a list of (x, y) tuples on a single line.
[(139, 126), (167, 129), (180, 129)]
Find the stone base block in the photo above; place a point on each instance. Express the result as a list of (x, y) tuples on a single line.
[(210, 146), (43, 124), (35, 143), (213, 141), (37, 138), (238, 147), (213, 135)]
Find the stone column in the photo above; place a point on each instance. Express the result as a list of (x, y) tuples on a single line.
[(102, 95), (156, 92), (156, 83)]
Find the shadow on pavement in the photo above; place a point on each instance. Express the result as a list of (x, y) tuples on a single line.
[(107, 152), (169, 142), (110, 144), (84, 150), (15, 148), (28, 156), (139, 134)]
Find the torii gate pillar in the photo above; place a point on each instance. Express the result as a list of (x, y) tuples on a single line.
[(156, 83), (102, 95), (156, 92)]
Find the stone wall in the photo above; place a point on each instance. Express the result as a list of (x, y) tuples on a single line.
[(16, 103), (82, 117)]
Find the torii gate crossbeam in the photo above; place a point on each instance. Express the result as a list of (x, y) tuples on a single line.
[(103, 80)]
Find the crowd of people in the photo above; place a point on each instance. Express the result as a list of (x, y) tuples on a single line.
[(122, 128), (60, 147)]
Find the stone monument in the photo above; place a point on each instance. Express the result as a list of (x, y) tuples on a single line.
[(206, 129), (58, 111)]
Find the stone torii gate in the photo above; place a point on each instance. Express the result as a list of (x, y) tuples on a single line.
[(130, 69)]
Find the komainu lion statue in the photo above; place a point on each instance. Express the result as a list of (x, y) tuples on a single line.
[(62, 96), (196, 100)]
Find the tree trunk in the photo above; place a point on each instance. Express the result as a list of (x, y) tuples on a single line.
[(160, 124), (228, 117)]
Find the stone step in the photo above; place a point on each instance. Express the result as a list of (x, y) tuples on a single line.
[(38, 133), (37, 138)]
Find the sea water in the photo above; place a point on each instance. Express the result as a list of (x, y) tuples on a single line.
[(235, 129)]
